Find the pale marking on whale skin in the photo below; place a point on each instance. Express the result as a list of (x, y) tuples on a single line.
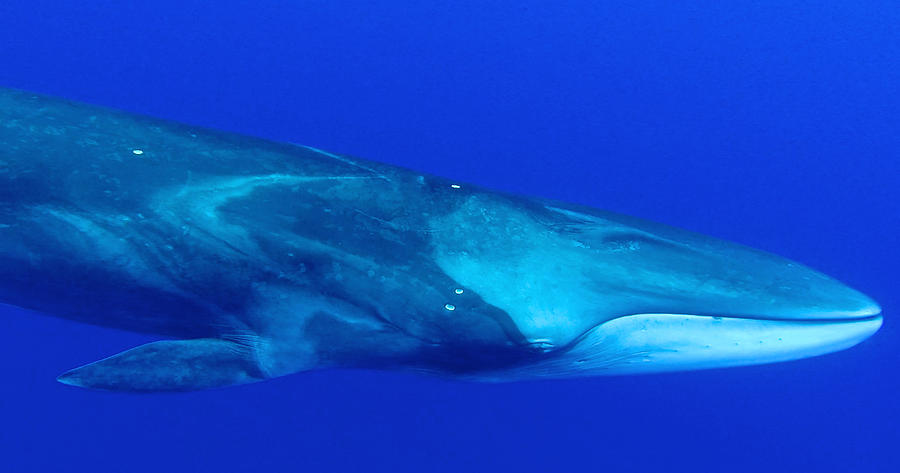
[(197, 205), (93, 236), (113, 250), (278, 348), (97, 236), (280, 345), (344, 160), (542, 295)]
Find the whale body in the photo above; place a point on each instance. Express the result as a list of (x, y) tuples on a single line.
[(252, 259)]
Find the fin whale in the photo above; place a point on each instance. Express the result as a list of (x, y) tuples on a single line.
[(252, 259)]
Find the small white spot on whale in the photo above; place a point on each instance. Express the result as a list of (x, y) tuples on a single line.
[(450, 307), (458, 291), (137, 152), (455, 186)]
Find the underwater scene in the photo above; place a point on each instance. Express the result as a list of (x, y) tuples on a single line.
[(449, 236)]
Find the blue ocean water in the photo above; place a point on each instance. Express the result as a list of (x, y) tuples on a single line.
[(774, 124)]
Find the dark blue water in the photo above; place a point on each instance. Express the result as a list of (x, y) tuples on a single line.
[(775, 124)]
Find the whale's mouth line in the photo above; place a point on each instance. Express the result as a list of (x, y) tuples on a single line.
[(865, 314), (663, 342), (837, 320)]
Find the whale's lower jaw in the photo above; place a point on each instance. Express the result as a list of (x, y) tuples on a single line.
[(653, 343)]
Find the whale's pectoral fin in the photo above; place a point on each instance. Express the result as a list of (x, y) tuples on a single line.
[(170, 365)]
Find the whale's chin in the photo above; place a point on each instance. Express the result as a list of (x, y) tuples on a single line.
[(653, 343)]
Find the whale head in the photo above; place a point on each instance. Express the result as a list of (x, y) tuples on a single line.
[(602, 293)]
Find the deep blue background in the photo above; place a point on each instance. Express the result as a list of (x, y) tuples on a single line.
[(772, 123)]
